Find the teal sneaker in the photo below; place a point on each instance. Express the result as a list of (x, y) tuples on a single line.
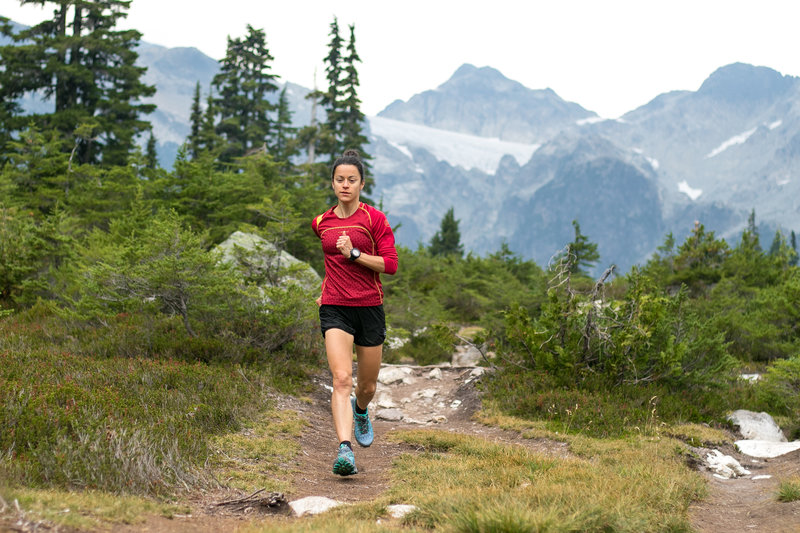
[(362, 427), (345, 464)]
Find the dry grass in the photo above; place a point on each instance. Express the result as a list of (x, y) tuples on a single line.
[(83, 509), (261, 454)]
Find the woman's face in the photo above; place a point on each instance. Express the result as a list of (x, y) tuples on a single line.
[(347, 183)]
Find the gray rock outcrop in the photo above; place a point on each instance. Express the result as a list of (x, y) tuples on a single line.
[(260, 261)]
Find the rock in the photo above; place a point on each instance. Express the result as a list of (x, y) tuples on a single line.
[(757, 426), (439, 419), (409, 380), (765, 448), (725, 465), (466, 356), (258, 259), (385, 401), (455, 404), (424, 393), (313, 505), (393, 374), (392, 415), (436, 373), (399, 510)]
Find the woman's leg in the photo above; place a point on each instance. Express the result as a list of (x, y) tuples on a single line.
[(369, 364), (339, 348)]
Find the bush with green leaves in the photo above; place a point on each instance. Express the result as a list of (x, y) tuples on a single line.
[(647, 336)]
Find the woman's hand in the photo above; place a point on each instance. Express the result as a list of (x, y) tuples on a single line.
[(343, 244), (319, 301)]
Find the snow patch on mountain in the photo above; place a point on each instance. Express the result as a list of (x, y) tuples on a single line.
[(457, 149), (776, 124), (590, 120), (736, 139), (684, 187)]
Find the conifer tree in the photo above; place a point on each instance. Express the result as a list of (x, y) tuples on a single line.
[(196, 122), (583, 253), (87, 68), (352, 119), (331, 100), (150, 155), (284, 145), (447, 241), (793, 243), (243, 84)]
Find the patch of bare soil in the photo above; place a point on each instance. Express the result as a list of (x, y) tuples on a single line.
[(748, 504)]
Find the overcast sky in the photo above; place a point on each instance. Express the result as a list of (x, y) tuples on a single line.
[(610, 56)]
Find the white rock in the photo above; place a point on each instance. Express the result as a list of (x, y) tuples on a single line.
[(477, 372), (409, 380), (455, 404), (424, 393), (750, 377), (385, 401), (439, 419), (756, 478), (392, 415), (757, 426), (436, 373), (313, 505), (399, 510), (466, 356), (725, 465), (393, 374), (765, 448)]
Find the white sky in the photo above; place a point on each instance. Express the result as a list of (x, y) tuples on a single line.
[(609, 56)]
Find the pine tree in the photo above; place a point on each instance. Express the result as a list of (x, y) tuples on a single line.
[(243, 84), (793, 242), (352, 119), (87, 68), (582, 253), (283, 139), (750, 235), (196, 121), (150, 155), (447, 241), (331, 100)]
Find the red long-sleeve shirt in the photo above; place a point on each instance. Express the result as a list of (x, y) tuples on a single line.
[(346, 282)]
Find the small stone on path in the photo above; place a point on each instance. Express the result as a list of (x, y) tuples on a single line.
[(313, 505), (400, 510), (392, 415)]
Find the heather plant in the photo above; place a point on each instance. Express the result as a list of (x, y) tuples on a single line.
[(120, 424)]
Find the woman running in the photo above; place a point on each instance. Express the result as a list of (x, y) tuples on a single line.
[(358, 245)]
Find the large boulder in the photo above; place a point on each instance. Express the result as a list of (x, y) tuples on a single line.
[(259, 260)]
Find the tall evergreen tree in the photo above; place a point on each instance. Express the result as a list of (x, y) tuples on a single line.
[(243, 84), (150, 155), (331, 100), (447, 241), (196, 123), (583, 253), (352, 119), (284, 145), (87, 69), (750, 238), (793, 243)]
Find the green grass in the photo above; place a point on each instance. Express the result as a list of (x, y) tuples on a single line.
[(789, 490)]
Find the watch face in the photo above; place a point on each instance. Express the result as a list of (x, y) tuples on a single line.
[(355, 253)]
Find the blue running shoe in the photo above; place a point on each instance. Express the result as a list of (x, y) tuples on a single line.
[(345, 464), (362, 426)]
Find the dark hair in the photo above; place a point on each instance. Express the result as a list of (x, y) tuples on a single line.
[(349, 157)]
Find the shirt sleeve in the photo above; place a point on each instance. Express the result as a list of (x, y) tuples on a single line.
[(384, 238)]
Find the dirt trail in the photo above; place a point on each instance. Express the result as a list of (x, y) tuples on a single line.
[(445, 398), (747, 504)]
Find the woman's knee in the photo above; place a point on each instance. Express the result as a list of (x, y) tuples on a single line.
[(342, 380), (367, 388)]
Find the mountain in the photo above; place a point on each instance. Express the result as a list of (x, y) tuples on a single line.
[(483, 102), (710, 155)]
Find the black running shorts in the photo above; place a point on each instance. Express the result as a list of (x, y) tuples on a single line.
[(367, 325)]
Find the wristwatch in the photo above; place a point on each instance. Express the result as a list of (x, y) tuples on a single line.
[(355, 253)]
